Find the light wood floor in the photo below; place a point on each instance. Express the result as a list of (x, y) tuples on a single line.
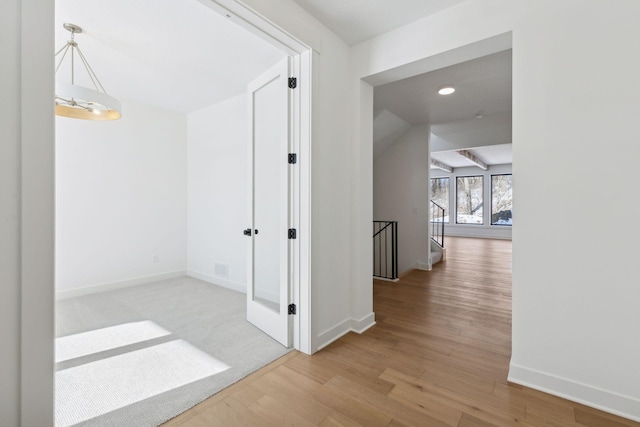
[(438, 356)]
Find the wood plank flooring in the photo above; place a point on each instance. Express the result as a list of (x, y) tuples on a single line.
[(438, 356)]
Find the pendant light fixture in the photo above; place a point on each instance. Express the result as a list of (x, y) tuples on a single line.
[(79, 102)]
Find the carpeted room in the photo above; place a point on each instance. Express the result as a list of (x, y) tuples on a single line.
[(150, 210)]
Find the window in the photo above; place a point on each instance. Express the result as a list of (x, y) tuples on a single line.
[(501, 200), (440, 194), (469, 200)]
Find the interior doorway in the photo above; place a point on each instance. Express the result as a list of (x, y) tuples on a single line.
[(157, 184), (462, 135)]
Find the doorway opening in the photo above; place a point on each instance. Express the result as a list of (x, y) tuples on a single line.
[(149, 207), (452, 151), (430, 146)]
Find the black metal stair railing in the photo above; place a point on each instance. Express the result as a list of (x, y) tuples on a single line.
[(385, 250), (437, 223)]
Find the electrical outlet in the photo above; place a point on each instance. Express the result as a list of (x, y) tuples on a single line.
[(156, 259)]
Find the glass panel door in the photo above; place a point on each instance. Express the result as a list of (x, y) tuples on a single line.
[(268, 279)]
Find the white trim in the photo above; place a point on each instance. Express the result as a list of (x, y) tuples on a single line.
[(477, 231), (425, 266), (110, 286), (302, 282), (257, 24), (341, 329), (218, 281), (595, 397), (384, 279), (360, 325), (333, 334)]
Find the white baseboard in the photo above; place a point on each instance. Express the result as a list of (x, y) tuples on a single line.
[(360, 325), (479, 231), (341, 329), (605, 400), (426, 266), (333, 334), (384, 279), (419, 265), (103, 287), (218, 281)]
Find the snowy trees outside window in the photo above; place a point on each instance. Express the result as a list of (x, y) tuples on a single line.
[(470, 199), (440, 194), (501, 200)]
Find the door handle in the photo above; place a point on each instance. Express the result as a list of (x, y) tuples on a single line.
[(255, 231), (247, 232)]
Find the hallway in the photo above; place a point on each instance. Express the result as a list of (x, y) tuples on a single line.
[(438, 356)]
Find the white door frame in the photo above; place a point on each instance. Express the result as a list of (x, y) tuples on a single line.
[(300, 216)]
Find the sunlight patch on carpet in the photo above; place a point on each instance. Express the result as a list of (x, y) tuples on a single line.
[(91, 342), (96, 388)]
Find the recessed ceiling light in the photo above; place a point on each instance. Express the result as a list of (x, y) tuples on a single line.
[(448, 90)]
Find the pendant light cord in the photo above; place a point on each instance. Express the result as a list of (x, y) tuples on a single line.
[(74, 46)]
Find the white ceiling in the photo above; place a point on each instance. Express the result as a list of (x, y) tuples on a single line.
[(358, 20), (483, 87), (177, 55)]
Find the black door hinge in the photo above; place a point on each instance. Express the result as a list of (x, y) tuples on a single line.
[(292, 309), (293, 82), (293, 158), (293, 233)]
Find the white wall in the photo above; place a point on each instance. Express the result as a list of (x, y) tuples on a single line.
[(217, 193), (400, 193), (120, 199), (10, 214), (485, 230), (26, 214), (582, 306), (575, 310)]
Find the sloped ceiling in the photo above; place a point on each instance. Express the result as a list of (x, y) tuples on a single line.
[(177, 55), (387, 129)]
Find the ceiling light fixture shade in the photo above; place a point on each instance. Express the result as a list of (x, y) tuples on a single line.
[(448, 90), (79, 102)]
